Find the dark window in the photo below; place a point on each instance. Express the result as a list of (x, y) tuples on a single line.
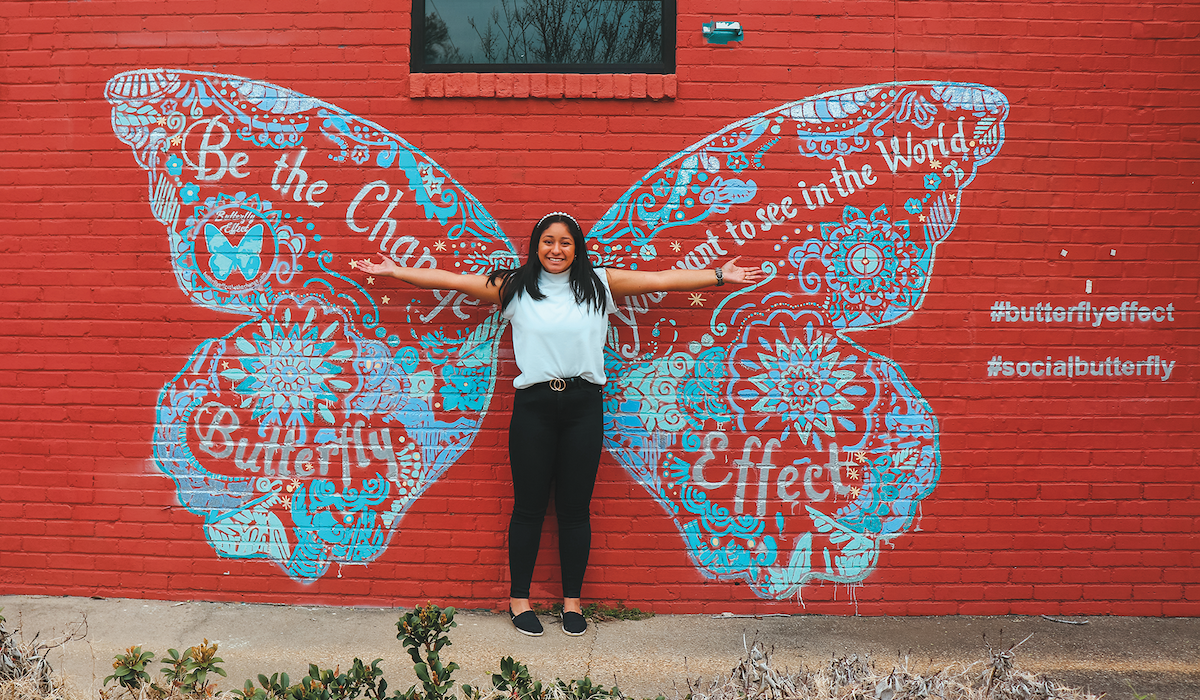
[(543, 36)]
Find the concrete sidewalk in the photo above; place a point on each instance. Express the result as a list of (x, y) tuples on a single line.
[(645, 658)]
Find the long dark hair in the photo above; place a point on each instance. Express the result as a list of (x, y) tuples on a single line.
[(585, 283)]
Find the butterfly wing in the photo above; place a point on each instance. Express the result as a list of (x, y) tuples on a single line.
[(304, 434), (784, 451)]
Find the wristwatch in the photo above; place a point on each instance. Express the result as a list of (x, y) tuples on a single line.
[(720, 276)]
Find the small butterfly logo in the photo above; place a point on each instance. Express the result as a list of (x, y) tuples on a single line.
[(784, 452), (245, 257)]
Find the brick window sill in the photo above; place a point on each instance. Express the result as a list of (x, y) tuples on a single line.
[(552, 86)]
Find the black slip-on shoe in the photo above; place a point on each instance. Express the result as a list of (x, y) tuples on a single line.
[(527, 623), (573, 624)]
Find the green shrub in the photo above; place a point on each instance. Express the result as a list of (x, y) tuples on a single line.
[(424, 632), (129, 669)]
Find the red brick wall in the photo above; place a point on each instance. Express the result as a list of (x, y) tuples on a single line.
[(1055, 495)]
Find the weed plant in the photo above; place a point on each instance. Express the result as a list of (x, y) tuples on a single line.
[(597, 612), (424, 632), (25, 672), (185, 675)]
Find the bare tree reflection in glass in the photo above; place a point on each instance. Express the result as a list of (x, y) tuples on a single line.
[(438, 46), (556, 32)]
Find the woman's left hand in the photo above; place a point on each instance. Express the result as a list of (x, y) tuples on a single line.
[(735, 274), (623, 282)]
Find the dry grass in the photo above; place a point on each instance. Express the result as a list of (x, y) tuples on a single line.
[(854, 678), (25, 675), (33, 689)]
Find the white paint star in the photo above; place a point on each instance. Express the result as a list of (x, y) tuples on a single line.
[(370, 280), (696, 299), (385, 299)]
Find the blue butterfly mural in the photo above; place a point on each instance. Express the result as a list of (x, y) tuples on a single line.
[(784, 452), (245, 257)]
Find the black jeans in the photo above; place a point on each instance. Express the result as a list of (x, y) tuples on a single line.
[(554, 438)]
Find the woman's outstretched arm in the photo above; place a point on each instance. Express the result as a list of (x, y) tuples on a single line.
[(432, 278), (632, 282)]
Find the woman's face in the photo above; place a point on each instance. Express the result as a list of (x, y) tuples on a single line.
[(556, 248)]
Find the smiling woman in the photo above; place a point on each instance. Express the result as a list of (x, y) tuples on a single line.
[(572, 36), (558, 305), (556, 249)]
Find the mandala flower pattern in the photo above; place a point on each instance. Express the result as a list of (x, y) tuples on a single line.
[(803, 382), (288, 373), (874, 270)]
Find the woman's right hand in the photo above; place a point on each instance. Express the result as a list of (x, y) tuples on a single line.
[(386, 267), (473, 285)]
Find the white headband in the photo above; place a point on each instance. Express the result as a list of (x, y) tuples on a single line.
[(557, 213)]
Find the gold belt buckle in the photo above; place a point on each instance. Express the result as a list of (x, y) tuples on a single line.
[(557, 384)]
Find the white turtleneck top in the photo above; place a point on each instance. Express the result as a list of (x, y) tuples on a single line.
[(556, 338)]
